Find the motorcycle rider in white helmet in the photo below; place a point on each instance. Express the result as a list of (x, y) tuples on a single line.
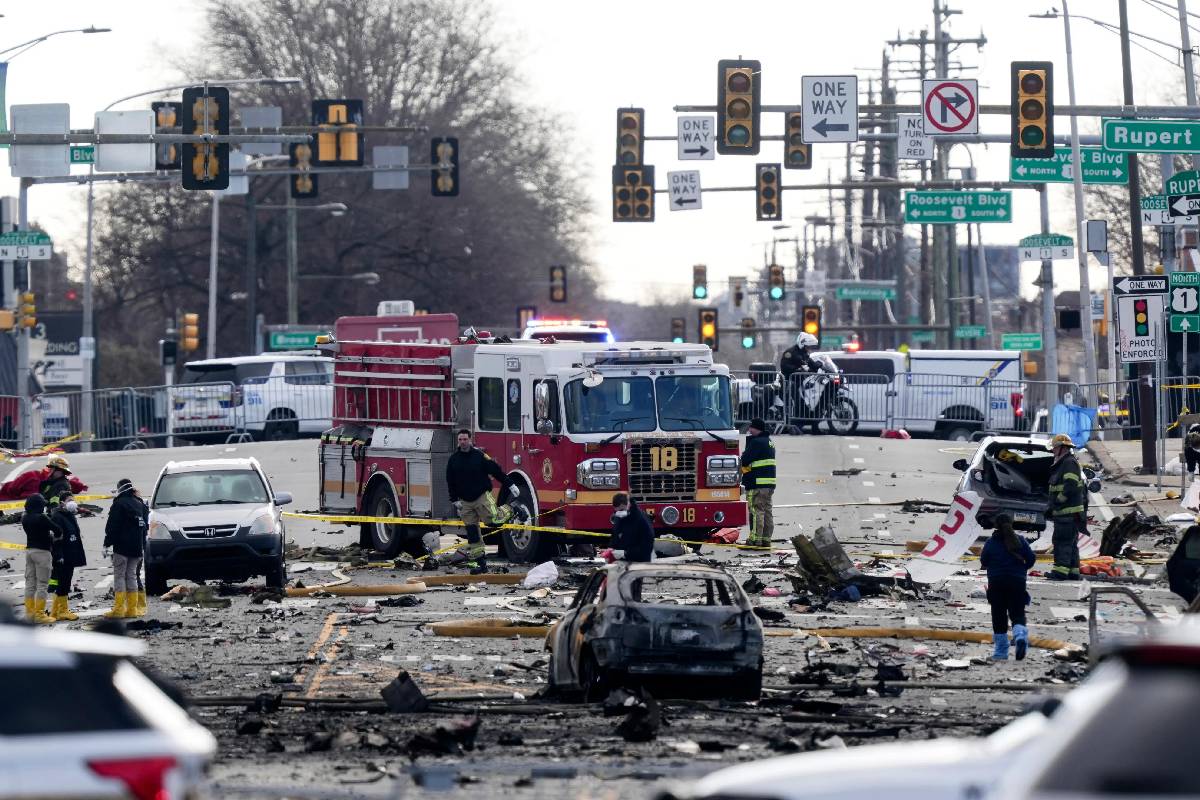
[(799, 359)]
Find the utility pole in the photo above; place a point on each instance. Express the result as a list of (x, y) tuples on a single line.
[(251, 272), (892, 240), (293, 278), (1049, 332), (1146, 391), (1189, 74)]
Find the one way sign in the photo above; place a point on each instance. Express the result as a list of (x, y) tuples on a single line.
[(1183, 205), (685, 190), (1140, 285), (829, 108)]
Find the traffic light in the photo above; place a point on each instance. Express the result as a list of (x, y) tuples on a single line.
[(339, 144), (303, 185), (739, 89), (767, 192), (71, 295), (633, 194), (524, 314), (699, 282), (1032, 110), (810, 317), (748, 339), (167, 118), (205, 110), (443, 154), (796, 154), (678, 330), (775, 282), (8, 319), (168, 352), (708, 328), (737, 288), (26, 311), (558, 284), (1141, 318), (189, 332), (629, 136)]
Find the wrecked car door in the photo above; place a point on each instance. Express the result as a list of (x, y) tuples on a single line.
[(575, 626)]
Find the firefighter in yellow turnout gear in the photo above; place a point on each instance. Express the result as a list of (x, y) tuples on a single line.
[(758, 476), (1066, 509)]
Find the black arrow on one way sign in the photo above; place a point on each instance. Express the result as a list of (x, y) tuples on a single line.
[(701, 150), (679, 201), (824, 126)]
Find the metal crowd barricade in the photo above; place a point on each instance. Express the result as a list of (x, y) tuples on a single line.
[(58, 417)]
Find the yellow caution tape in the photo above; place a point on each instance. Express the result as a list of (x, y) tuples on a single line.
[(11, 546), (13, 505), (428, 523)]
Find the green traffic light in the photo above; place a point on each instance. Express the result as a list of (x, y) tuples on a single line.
[(776, 292), (1032, 136), (748, 342), (677, 340), (700, 292), (738, 135)]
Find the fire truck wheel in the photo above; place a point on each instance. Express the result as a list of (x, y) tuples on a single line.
[(525, 546), (385, 538)]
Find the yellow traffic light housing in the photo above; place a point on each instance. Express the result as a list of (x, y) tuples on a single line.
[(167, 118), (206, 111), (443, 155), (796, 154), (678, 330), (558, 284), (633, 194), (1032, 110), (699, 282), (630, 133), (189, 332), (775, 282), (708, 328), (739, 92), (27, 310), (339, 144), (810, 317), (303, 185), (768, 193)]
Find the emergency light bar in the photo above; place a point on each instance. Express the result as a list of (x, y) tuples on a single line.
[(542, 323)]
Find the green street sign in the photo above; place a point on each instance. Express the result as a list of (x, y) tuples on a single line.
[(865, 293), (1185, 323), (1021, 341), (922, 337), (832, 340), (1151, 136), (24, 239), (1183, 279), (286, 340), (970, 332), (83, 154), (1099, 166), (1183, 183), (951, 208)]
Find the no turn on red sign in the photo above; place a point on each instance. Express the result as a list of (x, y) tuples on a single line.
[(950, 106)]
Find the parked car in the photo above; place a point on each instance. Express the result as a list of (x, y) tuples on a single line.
[(1012, 474), (217, 519), (81, 720), (272, 396), (1124, 732), (676, 626)]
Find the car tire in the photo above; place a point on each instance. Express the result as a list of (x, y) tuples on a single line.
[(276, 576), (281, 429), (384, 538), (592, 679), (156, 581)]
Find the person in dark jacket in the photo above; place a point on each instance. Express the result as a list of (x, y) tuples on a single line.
[(633, 533), (1191, 449), (758, 476), (57, 480), (40, 534), (68, 554), (1007, 558), (469, 476), (125, 533)]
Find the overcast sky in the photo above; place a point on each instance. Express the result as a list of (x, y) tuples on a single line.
[(585, 58)]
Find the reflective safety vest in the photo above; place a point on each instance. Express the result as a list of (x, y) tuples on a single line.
[(1066, 488), (758, 462)]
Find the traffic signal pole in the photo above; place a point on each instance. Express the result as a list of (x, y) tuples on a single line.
[(1049, 331)]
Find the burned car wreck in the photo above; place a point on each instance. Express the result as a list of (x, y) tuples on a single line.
[(651, 624)]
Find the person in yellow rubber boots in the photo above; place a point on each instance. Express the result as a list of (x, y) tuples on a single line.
[(68, 555), (1067, 492), (758, 476), (125, 533), (40, 534)]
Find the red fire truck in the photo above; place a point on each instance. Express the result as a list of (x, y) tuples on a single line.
[(571, 422)]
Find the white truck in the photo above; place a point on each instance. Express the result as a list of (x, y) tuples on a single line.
[(949, 394)]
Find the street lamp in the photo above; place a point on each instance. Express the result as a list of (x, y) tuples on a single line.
[(32, 43)]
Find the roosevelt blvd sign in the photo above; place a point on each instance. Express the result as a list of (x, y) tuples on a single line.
[(1047, 247), (1151, 136), (1156, 211), (1099, 166), (950, 208)]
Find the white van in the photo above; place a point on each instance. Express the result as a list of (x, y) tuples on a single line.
[(950, 394), (271, 396)]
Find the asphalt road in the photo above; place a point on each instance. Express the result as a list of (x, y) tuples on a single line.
[(326, 648)]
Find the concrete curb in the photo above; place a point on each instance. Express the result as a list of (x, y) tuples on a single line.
[(1111, 466)]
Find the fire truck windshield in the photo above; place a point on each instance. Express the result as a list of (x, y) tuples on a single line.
[(617, 404), (694, 402)]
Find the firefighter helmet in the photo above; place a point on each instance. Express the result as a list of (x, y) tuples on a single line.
[(57, 461), (1061, 440)]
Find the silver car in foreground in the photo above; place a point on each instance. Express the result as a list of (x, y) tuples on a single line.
[(681, 628)]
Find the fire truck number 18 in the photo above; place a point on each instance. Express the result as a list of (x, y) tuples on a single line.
[(664, 459)]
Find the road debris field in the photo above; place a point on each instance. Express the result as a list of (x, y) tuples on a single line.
[(367, 677)]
